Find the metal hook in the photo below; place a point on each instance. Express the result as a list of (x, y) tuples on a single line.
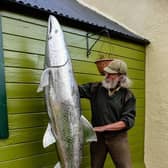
[(87, 40)]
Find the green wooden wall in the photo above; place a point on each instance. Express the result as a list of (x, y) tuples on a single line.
[(23, 49)]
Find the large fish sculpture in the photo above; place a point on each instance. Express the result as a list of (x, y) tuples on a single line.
[(67, 127)]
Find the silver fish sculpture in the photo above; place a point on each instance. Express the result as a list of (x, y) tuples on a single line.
[(67, 127)]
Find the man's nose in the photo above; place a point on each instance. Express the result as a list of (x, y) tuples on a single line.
[(110, 77)]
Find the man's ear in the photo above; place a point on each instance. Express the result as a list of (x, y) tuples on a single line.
[(122, 78)]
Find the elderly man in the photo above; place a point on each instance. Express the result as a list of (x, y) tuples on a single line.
[(113, 113)]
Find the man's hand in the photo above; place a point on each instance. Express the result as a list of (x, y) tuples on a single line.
[(111, 127), (99, 129)]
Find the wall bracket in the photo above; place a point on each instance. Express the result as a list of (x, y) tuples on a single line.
[(89, 35)]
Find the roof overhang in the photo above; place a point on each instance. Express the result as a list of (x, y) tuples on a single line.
[(70, 12)]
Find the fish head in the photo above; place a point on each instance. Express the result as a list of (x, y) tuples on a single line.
[(56, 50), (54, 28)]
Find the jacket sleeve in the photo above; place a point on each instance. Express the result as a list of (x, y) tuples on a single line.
[(85, 90), (129, 111)]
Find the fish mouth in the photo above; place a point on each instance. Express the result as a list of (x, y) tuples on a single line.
[(49, 27)]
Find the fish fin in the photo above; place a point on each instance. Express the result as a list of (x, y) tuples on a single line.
[(89, 134), (44, 80), (48, 138), (58, 165)]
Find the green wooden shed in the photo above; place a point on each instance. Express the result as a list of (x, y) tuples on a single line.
[(23, 116)]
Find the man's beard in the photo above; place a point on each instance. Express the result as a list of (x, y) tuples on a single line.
[(110, 84)]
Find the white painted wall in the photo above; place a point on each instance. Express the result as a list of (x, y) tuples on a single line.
[(148, 18)]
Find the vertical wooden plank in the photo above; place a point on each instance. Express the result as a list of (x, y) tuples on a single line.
[(3, 109)]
